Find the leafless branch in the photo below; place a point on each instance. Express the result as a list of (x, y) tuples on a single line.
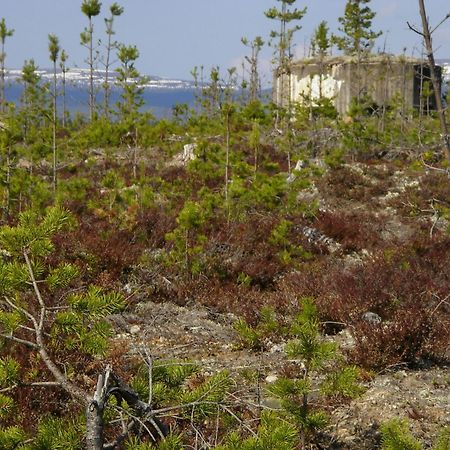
[(414, 29), (36, 289), (243, 424), (44, 384), (440, 23), (439, 169), (441, 302), (19, 341), (8, 389)]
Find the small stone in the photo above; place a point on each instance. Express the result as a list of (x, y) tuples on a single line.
[(276, 348), (134, 329), (372, 318), (271, 378)]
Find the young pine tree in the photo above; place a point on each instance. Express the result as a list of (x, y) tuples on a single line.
[(4, 33), (320, 360), (131, 98), (64, 69), (47, 327), (283, 46), (358, 38), (34, 103), (131, 83), (54, 49), (320, 46), (9, 136), (288, 19), (253, 60), (90, 8), (115, 11)]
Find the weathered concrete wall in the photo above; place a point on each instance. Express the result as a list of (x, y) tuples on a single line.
[(343, 79)]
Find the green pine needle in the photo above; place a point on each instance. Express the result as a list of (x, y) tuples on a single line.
[(395, 435)]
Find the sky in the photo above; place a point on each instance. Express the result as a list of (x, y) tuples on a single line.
[(174, 36)]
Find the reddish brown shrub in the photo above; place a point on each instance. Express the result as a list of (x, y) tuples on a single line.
[(354, 230), (407, 337), (403, 286)]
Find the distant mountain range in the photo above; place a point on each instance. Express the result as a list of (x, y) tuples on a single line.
[(160, 94)]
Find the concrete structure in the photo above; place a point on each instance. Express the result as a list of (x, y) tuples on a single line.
[(342, 79)]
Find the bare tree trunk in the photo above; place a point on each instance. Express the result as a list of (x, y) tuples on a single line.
[(64, 107), (227, 150), (91, 72), (94, 413), (2, 78), (54, 123), (109, 384), (7, 194), (435, 79)]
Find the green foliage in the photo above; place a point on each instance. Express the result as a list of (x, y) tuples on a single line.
[(443, 440), (62, 276), (320, 360), (288, 389), (95, 303), (255, 46), (131, 83), (285, 16), (288, 251), (55, 433), (9, 371), (188, 238), (395, 435), (168, 380), (248, 336), (82, 325), (205, 397), (360, 136), (321, 41), (170, 442), (10, 321), (72, 189), (334, 158), (308, 345), (7, 407), (11, 438), (91, 8), (33, 235), (343, 383), (273, 433), (356, 23), (116, 9), (266, 192), (256, 111), (254, 337), (4, 33), (53, 47), (182, 386)]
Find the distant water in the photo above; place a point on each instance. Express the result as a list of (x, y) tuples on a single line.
[(158, 101)]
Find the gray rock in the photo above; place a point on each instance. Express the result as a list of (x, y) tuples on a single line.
[(372, 318)]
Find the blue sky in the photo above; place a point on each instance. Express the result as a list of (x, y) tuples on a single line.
[(173, 36)]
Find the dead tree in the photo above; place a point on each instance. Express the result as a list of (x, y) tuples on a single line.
[(108, 385), (435, 78)]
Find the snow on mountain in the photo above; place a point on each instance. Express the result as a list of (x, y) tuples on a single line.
[(77, 76)]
